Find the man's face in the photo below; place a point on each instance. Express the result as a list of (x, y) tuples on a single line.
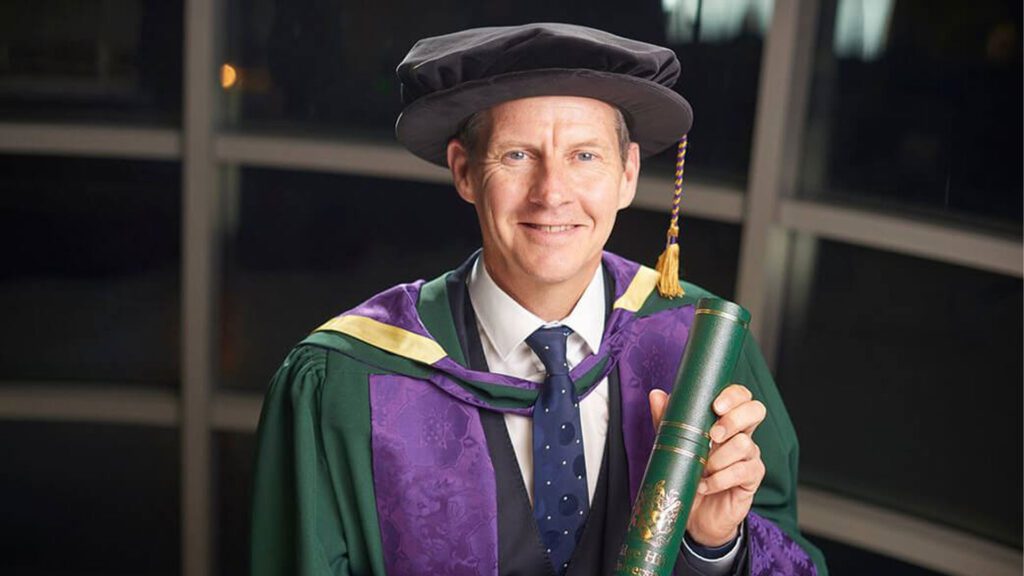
[(547, 182)]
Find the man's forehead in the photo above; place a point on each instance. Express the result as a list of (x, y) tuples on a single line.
[(568, 113)]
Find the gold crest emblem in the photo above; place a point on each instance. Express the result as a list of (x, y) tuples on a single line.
[(658, 513)]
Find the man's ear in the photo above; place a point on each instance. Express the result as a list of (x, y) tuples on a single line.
[(459, 165), (630, 175)]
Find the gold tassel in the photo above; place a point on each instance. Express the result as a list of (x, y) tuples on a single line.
[(668, 267), (668, 262)]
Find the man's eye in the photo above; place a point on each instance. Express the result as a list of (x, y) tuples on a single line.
[(516, 155), (586, 156)]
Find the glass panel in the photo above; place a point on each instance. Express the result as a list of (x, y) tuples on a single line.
[(903, 377), (304, 247), (104, 60), (89, 499), (916, 105), (709, 250), (89, 289), (235, 457), (719, 45), (331, 66)]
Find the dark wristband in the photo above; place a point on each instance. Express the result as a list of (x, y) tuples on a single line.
[(710, 553)]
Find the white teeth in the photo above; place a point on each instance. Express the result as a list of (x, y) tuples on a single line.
[(555, 228)]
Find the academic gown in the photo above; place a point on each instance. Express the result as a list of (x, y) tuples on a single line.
[(380, 450)]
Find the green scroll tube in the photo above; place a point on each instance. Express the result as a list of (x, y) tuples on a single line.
[(682, 444)]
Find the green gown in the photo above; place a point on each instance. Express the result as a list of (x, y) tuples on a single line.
[(371, 459)]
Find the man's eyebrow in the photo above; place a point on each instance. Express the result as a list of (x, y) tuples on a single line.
[(591, 143), (511, 143), (514, 143)]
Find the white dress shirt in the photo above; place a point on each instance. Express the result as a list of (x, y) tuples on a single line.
[(504, 326)]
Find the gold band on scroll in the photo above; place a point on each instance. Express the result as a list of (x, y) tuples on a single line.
[(685, 426), (732, 317), (681, 452)]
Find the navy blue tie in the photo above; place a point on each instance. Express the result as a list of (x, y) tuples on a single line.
[(560, 500)]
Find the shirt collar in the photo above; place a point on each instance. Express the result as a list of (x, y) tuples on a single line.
[(507, 324)]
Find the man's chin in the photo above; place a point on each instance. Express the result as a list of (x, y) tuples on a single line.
[(556, 273)]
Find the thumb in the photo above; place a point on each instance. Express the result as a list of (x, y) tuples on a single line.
[(658, 400)]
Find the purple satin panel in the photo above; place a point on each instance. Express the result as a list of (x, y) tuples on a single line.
[(434, 481), (774, 553), (650, 359), (395, 306), (622, 271)]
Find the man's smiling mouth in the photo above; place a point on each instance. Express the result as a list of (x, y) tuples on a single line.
[(547, 228)]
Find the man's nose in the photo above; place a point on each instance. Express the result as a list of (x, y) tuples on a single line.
[(550, 187)]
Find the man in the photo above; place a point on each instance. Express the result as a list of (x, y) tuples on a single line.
[(497, 419)]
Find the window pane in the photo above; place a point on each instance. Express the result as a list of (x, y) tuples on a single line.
[(90, 283), (330, 66), (68, 59), (903, 377), (304, 247), (89, 499), (235, 458), (916, 105)]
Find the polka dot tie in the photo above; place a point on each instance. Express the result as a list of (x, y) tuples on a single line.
[(560, 501)]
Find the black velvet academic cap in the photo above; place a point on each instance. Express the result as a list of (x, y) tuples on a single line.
[(445, 79)]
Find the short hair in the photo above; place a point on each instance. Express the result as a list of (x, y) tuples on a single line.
[(472, 130)]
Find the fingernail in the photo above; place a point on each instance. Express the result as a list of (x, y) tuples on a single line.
[(721, 406), (702, 487), (717, 433)]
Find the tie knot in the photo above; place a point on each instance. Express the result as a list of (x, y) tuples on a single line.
[(549, 345)]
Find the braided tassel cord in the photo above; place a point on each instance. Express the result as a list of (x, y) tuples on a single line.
[(668, 262)]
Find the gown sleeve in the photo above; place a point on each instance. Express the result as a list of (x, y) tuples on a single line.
[(296, 525), (776, 498)]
